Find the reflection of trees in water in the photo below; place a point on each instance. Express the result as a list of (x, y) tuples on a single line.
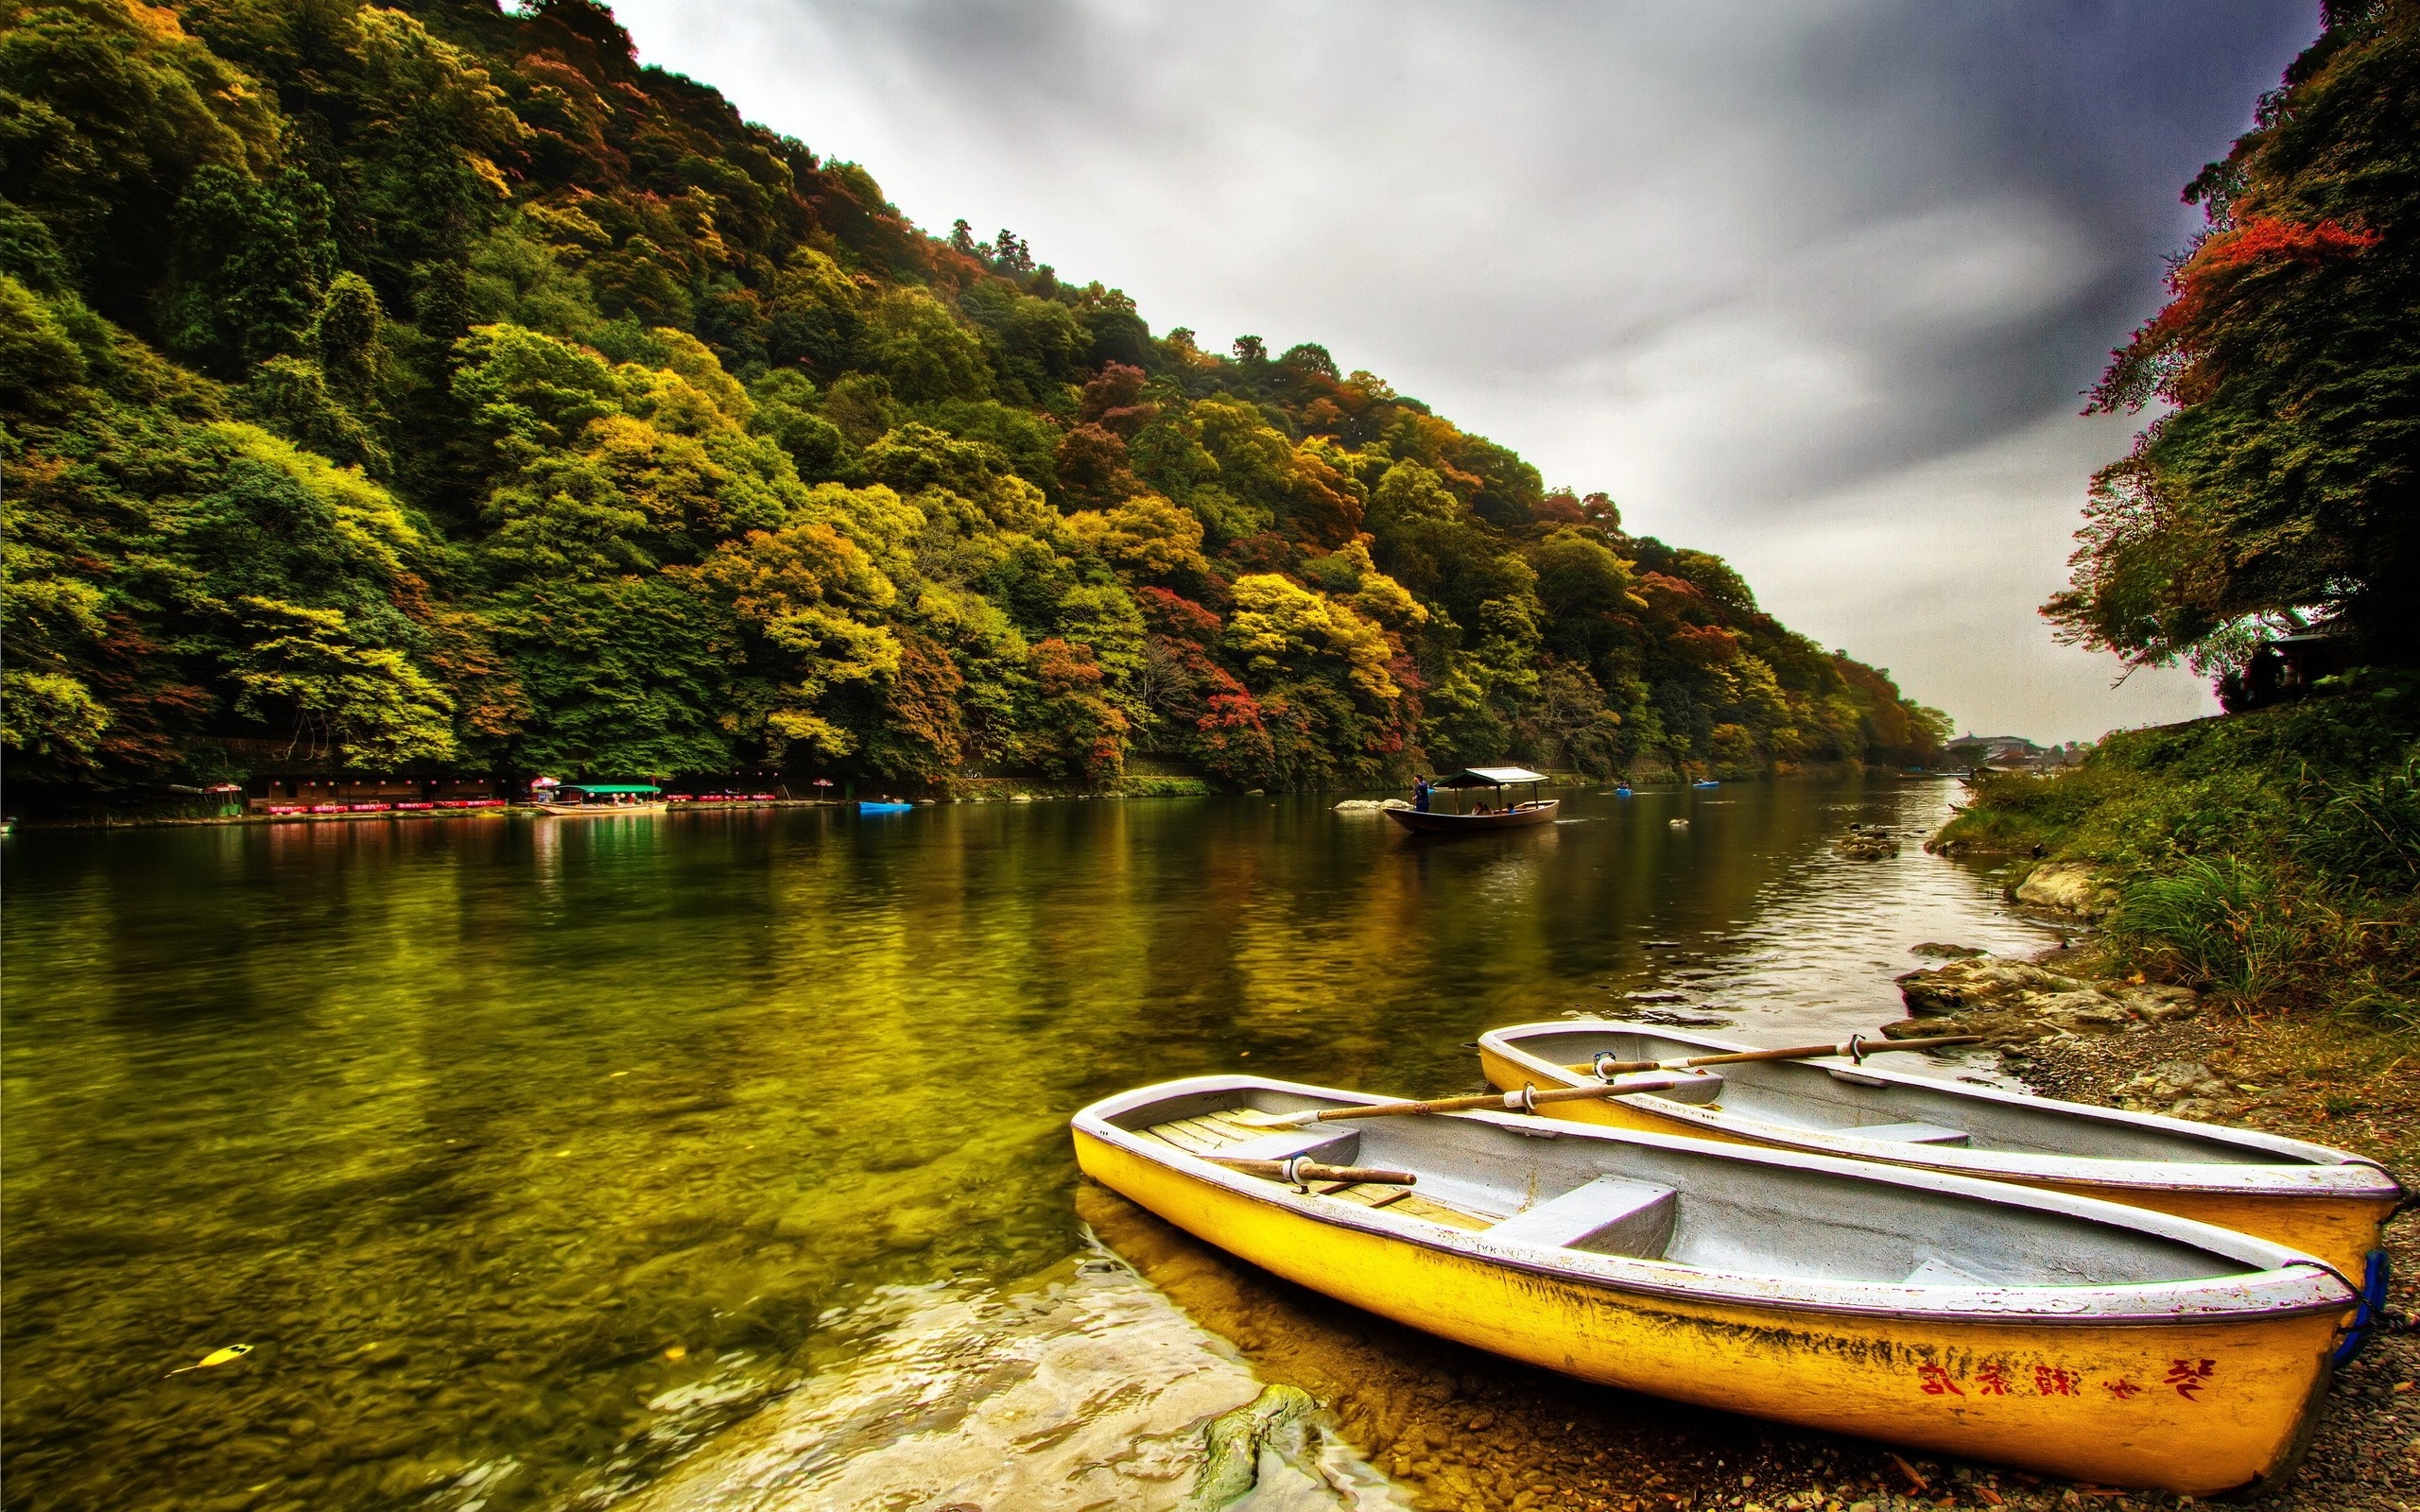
[(518, 1106)]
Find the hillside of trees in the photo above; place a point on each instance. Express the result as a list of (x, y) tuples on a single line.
[(434, 387)]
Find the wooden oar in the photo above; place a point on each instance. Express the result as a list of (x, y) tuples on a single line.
[(1854, 1047), (1524, 1101), (1298, 1171)]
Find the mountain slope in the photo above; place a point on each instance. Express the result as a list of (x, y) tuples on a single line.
[(432, 386)]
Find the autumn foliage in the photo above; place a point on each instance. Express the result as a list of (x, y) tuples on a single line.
[(433, 386), (2276, 491)]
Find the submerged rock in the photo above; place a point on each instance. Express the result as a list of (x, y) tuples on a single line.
[(1866, 845), (1233, 1443), (1946, 953), (1083, 1387), (1681, 1021)]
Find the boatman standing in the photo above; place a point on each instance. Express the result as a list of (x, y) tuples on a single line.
[(1420, 794)]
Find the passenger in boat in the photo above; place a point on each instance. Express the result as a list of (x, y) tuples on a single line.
[(1420, 791)]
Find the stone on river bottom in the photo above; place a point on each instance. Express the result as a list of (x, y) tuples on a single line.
[(1087, 1389)]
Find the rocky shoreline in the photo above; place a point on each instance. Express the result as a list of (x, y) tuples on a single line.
[(2012, 1002), (2327, 1082), (2070, 1028)]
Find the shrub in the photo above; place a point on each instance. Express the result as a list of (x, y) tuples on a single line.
[(2221, 922), (2367, 831), (2273, 854)]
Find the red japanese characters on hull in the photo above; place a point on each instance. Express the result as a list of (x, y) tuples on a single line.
[(1995, 1378)]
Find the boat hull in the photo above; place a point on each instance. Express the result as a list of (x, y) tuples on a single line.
[(2333, 1212), (590, 810), (1434, 822), (2087, 1399)]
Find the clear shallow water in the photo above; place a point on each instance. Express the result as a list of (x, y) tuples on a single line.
[(531, 1154)]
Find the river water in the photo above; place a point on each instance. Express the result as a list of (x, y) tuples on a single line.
[(720, 1160)]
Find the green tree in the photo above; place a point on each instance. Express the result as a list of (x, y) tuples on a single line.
[(810, 604), (364, 705), (2279, 490), (252, 259)]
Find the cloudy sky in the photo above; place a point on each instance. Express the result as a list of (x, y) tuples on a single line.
[(1814, 284)]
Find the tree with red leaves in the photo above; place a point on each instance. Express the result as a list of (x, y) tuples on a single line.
[(2278, 491)]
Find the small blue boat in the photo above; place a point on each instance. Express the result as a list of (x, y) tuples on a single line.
[(864, 807), (1708, 782), (1622, 791)]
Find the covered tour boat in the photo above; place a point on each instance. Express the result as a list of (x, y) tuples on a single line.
[(586, 799), (1506, 814)]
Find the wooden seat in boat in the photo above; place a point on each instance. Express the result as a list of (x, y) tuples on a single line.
[(1611, 1215), (1327, 1146), (1222, 1134)]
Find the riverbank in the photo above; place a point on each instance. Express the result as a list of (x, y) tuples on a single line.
[(974, 791), (2246, 890), (2270, 858), (171, 811)]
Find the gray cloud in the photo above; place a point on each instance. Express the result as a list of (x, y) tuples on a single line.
[(1812, 284)]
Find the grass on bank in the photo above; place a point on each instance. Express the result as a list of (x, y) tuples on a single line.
[(2273, 855)]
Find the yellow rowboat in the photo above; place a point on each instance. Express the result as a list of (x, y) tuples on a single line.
[(2305, 1197), (2053, 1333)]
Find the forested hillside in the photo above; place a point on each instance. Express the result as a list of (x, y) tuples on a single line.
[(435, 387)]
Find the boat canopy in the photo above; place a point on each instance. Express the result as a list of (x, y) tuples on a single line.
[(609, 787), (1489, 776)]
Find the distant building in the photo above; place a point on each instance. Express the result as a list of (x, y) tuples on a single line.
[(2013, 752), (1991, 751)]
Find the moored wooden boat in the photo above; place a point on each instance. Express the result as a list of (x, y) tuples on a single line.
[(1503, 815), (2307, 1196), (2033, 1328), (1520, 815), (601, 798)]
